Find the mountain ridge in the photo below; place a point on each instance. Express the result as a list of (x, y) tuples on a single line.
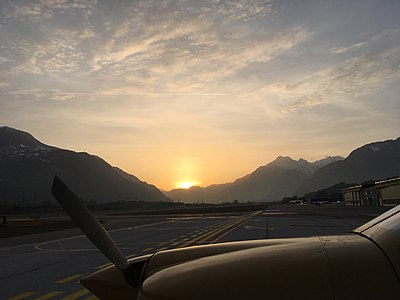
[(27, 168), (285, 177), (373, 161), (281, 172)]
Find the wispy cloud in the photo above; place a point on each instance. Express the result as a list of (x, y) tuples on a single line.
[(342, 83), (360, 75), (340, 50), (248, 74), (182, 43), (301, 103), (45, 94), (35, 11)]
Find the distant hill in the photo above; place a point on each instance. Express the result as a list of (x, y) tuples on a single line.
[(331, 193), (27, 168), (268, 183), (285, 177), (197, 194), (302, 165), (379, 160), (271, 182)]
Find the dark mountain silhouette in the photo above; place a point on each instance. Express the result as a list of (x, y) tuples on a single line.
[(331, 193), (375, 161), (265, 184), (285, 177), (271, 182), (11, 138), (27, 168), (301, 165), (198, 194)]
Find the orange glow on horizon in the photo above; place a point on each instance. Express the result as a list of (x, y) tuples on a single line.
[(186, 184)]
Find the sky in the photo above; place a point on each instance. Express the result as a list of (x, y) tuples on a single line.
[(201, 92)]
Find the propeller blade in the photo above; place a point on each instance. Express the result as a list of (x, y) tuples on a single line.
[(89, 225)]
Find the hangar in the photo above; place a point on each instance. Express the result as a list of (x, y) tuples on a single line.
[(378, 193)]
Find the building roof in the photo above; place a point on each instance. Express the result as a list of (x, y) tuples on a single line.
[(376, 184), (388, 182)]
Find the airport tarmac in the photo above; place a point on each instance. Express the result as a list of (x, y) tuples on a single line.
[(49, 265)]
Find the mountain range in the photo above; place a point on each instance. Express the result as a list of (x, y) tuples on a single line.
[(285, 177), (27, 168)]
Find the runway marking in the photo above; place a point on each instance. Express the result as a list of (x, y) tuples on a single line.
[(232, 228), (215, 231), (313, 226), (16, 247), (70, 278), (76, 295), (48, 296), (227, 228), (22, 296), (162, 229), (255, 227), (39, 246), (79, 236), (278, 213), (205, 233)]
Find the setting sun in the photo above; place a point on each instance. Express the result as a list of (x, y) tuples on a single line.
[(185, 185)]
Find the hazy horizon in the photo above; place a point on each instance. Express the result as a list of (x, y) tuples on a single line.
[(201, 92)]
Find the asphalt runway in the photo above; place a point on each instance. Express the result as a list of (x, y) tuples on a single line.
[(49, 265)]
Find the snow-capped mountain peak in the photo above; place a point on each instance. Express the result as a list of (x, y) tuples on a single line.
[(303, 165)]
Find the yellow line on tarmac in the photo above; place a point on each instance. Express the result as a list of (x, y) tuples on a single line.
[(70, 278), (76, 295), (233, 227), (226, 226), (22, 296), (49, 295), (202, 236), (147, 249), (215, 232)]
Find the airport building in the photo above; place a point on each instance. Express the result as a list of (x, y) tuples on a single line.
[(378, 193)]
